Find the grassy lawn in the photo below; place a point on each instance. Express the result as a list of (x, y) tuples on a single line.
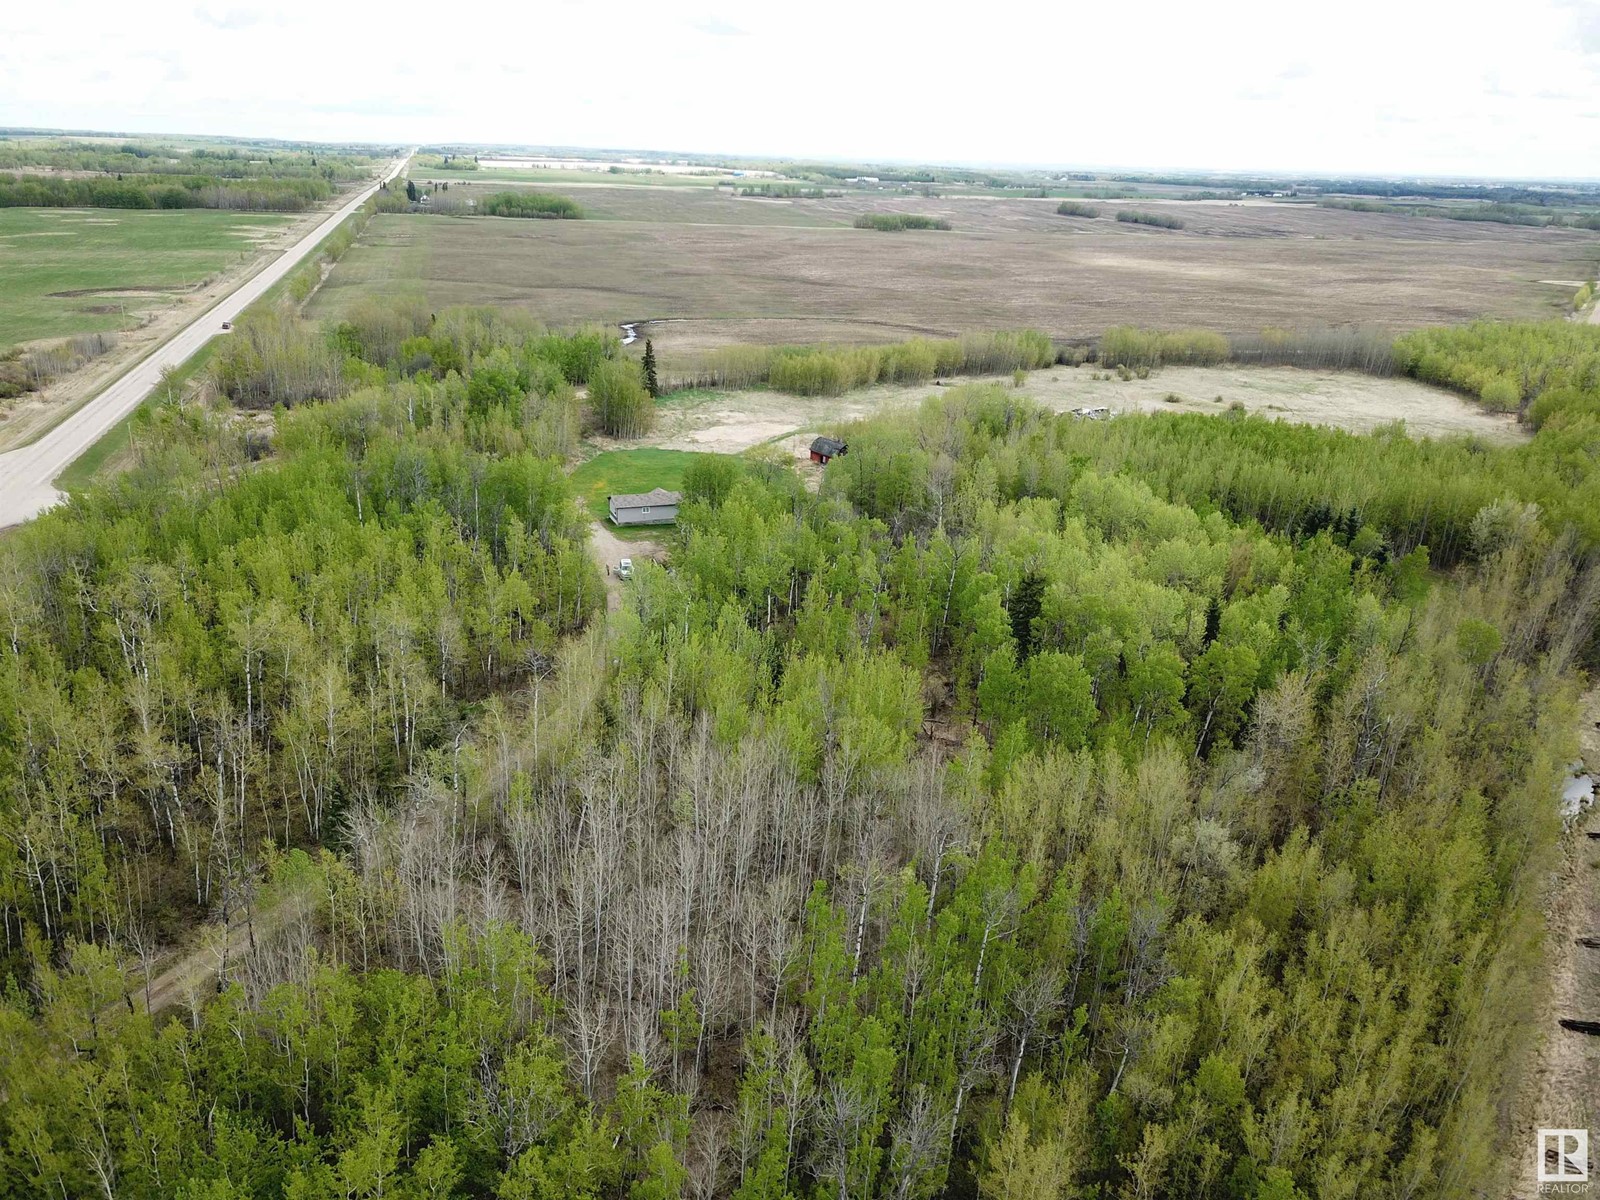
[(619, 472), (70, 270)]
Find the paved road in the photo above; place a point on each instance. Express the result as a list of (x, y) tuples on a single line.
[(27, 474)]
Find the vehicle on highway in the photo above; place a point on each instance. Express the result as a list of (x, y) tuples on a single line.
[(227, 325)]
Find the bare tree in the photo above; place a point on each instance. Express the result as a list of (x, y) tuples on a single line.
[(917, 1147)]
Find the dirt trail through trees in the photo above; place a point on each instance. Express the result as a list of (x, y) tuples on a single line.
[(1564, 1089)]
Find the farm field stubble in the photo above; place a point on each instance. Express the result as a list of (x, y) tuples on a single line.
[(712, 269)]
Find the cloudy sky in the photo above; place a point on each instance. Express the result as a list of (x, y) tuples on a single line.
[(1435, 87)]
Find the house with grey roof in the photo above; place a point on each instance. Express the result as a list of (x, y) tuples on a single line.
[(655, 507)]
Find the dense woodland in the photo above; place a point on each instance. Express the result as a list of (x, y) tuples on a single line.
[(1038, 808)]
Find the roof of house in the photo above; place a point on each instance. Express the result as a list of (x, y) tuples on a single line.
[(827, 445), (650, 499)]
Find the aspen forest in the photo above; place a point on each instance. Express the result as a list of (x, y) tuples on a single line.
[(1019, 808)]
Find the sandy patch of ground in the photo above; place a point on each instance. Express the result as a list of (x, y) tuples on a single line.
[(735, 431), (1344, 399), (732, 421)]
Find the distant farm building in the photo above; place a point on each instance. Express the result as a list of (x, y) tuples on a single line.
[(826, 449), (655, 507)]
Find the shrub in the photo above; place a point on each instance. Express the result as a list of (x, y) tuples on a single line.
[(1366, 206), (1125, 346), (1501, 395), (621, 403), (577, 354), (25, 371), (1504, 365), (274, 358), (524, 203), (1322, 347), (1159, 220), (787, 191), (832, 370), (1076, 208), (710, 477), (896, 222)]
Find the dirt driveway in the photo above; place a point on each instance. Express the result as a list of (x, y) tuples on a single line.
[(607, 549), (1563, 1089)]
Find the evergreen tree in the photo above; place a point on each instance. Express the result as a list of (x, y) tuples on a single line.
[(651, 382)]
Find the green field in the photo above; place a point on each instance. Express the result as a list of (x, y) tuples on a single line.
[(628, 472), (69, 270), (572, 176)]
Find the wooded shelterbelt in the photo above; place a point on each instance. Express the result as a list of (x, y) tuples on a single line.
[(44, 174), (1040, 808)]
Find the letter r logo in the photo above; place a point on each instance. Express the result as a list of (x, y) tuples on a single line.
[(1563, 1155)]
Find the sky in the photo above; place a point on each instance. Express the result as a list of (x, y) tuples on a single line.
[(1378, 87)]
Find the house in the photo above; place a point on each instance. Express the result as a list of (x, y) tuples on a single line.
[(655, 507), (825, 449)]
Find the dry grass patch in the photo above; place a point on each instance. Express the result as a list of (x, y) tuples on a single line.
[(715, 270)]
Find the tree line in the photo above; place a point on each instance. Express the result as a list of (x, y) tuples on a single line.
[(898, 222), (44, 174), (1159, 220), (188, 191), (521, 202), (23, 371), (252, 161), (832, 370)]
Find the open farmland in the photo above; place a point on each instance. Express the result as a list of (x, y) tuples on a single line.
[(73, 271), (578, 176), (713, 269)]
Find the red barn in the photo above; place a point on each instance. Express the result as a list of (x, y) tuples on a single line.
[(825, 449)]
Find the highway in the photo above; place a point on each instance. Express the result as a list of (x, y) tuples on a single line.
[(27, 474)]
